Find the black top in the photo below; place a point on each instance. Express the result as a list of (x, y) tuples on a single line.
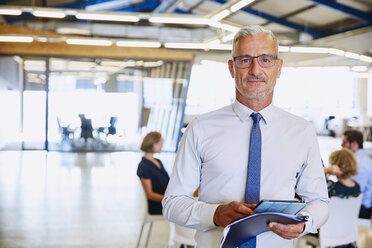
[(159, 181), (340, 190)]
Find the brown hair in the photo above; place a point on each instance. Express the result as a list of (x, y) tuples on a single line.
[(354, 135), (149, 141), (346, 161)]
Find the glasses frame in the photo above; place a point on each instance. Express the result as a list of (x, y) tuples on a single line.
[(276, 57)]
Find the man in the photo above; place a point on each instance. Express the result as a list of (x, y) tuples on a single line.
[(215, 150), (353, 140)]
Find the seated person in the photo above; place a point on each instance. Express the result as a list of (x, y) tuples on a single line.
[(153, 176), (347, 164)]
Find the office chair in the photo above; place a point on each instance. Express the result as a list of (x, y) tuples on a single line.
[(341, 227), (181, 235), (148, 219)]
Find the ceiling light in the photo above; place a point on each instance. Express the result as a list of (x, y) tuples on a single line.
[(240, 4), (335, 51), (359, 68), (228, 37), (8, 38), (138, 43), (10, 11), (365, 58), (179, 20), (49, 13), (220, 15), (309, 49), (89, 42), (185, 45), (107, 17), (351, 55), (153, 63), (283, 49), (227, 47), (229, 27)]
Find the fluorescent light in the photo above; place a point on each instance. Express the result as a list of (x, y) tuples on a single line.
[(134, 43), (227, 47), (179, 20), (231, 28), (283, 49), (309, 49), (335, 51), (153, 64), (89, 42), (8, 38), (220, 15), (359, 68), (228, 37), (365, 58), (351, 55), (10, 11), (107, 17), (49, 13), (240, 4), (185, 45)]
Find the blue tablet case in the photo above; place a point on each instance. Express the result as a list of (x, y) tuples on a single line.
[(245, 228)]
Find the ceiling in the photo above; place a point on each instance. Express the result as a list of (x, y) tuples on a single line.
[(342, 24)]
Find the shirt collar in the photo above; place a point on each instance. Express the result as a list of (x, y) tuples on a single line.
[(243, 112)]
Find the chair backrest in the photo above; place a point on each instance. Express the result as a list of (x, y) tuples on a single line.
[(342, 224), (181, 235)]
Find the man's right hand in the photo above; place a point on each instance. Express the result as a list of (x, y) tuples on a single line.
[(227, 213)]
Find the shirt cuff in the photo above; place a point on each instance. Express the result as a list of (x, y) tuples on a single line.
[(308, 225), (206, 216)]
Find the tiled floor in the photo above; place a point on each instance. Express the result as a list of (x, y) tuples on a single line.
[(81, 200)]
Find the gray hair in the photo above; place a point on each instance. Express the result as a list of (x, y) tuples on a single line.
[(252, 30)]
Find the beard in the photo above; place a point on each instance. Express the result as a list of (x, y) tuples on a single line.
[(253, 95)]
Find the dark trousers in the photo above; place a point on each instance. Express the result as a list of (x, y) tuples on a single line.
[(365, 213)]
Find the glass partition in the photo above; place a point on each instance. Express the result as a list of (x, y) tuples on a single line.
[(102, 104)]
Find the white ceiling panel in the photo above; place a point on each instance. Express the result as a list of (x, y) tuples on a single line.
[(319, 16), (279, 8), (243, 18), (363, 5)]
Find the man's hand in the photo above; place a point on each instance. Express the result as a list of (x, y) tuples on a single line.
[(227, 213), (287, 231)]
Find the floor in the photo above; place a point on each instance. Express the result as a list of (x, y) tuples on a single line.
[(81, 200)]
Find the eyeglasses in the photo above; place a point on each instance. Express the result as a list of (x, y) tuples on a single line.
[(264, 60)]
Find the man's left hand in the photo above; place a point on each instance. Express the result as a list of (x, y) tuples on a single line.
[(287, 231)]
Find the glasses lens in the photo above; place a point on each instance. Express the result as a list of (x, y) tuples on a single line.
[(266, 60), (243, 62)]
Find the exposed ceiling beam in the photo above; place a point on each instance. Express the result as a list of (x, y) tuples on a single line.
[(164, 6), (355, 13), (147, 5), (315, 33), (108, 5)]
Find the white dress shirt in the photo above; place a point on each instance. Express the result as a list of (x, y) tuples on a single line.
[(364, 177), (213, 157)]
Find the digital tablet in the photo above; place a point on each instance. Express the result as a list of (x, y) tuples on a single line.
[(280, 206)]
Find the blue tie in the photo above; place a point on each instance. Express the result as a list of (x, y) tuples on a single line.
[(252, 191)]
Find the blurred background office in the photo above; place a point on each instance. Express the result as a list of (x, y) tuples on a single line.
[(82, 82)]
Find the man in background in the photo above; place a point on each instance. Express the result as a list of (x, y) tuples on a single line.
[(353, 140)]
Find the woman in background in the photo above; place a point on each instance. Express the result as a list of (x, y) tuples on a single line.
[(153, 176), (345, 186)]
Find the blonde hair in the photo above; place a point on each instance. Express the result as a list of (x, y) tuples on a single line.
[(346, 161), (149, 141)]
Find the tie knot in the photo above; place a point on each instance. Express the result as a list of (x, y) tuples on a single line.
[(256, 117)]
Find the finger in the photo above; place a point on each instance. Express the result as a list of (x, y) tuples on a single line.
[(244, 209), (285, 231)]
